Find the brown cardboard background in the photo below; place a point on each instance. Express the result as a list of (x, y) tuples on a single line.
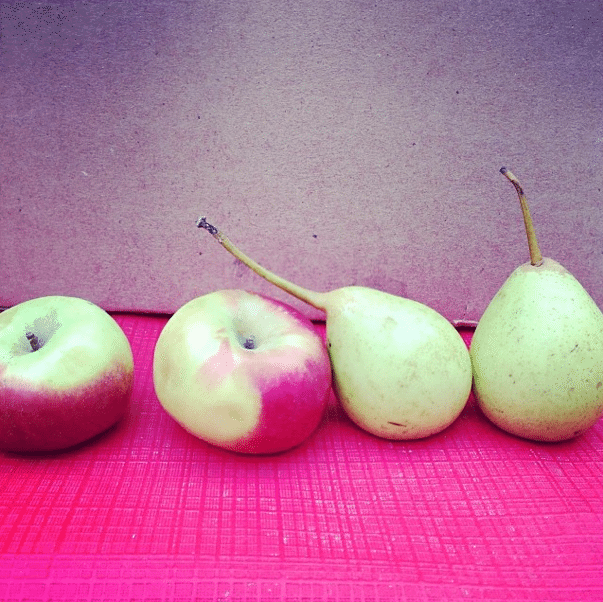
[(337, 142)]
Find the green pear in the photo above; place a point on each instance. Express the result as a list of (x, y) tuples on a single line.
[(400, 369), (537, 351)]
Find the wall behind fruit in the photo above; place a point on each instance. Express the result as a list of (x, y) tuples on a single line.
[(336, 141)]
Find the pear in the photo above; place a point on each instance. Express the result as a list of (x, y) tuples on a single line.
[(400, 369), (537, 351)]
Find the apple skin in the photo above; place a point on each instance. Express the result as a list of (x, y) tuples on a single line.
[(75, 386), (262, 400)]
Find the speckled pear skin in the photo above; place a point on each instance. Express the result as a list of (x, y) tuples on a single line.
[(400, 369), (537, 355)]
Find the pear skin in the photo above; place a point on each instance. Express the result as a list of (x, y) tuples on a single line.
[(537, 353), (400, 369)]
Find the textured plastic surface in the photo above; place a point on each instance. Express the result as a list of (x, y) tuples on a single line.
[(147, 512)]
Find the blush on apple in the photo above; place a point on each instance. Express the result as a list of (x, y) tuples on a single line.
[(66, 373), (243, 372)]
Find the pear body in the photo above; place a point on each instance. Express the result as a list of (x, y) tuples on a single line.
[(537, 355), (400, 369)]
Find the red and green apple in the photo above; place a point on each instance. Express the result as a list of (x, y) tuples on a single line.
[(66, 373), (243, 372)]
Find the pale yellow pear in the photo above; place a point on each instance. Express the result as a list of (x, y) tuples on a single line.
[(537, 352), (400, 369)]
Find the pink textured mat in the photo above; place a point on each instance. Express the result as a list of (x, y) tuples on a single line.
[(147, 512)]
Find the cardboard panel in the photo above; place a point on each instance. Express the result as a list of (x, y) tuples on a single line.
[(337, 142)]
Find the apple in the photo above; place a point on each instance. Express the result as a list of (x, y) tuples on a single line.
[(66, 373), (243, 372)]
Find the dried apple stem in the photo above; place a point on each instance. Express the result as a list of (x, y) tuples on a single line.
[(310, 297), (535, 254), (33, 341)]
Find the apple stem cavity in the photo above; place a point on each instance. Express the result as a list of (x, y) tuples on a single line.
[(33, 341), (535, 254), (312, 298)]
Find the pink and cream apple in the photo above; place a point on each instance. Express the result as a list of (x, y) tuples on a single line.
[(66, 373), (243, 372)]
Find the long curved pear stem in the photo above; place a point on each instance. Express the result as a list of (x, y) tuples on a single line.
[(535, 254), (312, 298)]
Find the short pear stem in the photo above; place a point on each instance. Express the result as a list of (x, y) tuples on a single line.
[(535, 254), (33, 341), (312, 298)]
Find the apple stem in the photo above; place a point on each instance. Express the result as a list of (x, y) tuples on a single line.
[(535, 254), (310, 297), (33, 341)]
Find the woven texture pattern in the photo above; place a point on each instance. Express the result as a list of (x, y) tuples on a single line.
[(148, 512)]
